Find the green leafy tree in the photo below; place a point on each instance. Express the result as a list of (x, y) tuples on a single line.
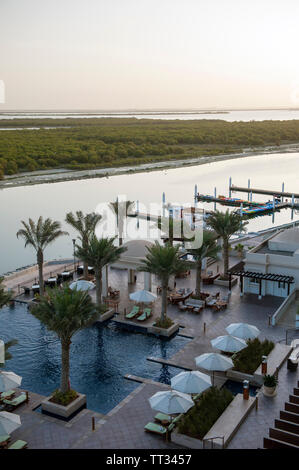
[(39, 235), (120, 209), (208, 249), (98, 253), (163, 261), (226, 224), (65, 311), (85, 225)]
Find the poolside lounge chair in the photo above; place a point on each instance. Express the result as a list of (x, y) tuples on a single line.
[(15, 402), (18, 445), (163, 418), (7, 395), (4, 439), (145, 315), (133, 312), (158, 429)]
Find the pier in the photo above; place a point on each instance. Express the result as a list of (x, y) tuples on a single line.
[(267, 192)]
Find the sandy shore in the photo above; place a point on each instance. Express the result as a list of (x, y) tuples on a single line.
[(56, 176)]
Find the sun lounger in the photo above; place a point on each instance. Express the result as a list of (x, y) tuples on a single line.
[(7, 395), (18, 445), (146, 314), (133, 313), (163, 418), (158, 429), (4, 440), (16, 401)]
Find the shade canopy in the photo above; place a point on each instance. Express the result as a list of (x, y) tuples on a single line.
[(228, 343), (171, 402), (82, 285), (243, 330), (214, 361), (191, 382), (143, 296), (9, 380), (9, 422)]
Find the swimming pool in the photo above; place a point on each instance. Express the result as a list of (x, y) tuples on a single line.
[(237, 387), (100, 357)]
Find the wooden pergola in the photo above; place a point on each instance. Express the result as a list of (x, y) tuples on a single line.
[(279, 278)]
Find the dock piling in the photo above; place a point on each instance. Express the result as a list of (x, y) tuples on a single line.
[(248, 189), (215, 195), (282, 190), (229, 186)]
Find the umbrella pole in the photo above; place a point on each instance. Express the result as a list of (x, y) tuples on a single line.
[(213, 381)]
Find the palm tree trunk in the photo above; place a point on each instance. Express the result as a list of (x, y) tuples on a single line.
[(198, 278), (65, 366), (85, 270), (98, 276), (40, 262), (164, 300), (225, 258)]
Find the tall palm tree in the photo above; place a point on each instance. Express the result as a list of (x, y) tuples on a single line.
[(163, 261), (226, 224), (99, 253), (85, 225), (120, 209), (39, 235), (65, 311), (208, 249)]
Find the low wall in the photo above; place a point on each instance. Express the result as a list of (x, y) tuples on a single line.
[(105, 316), (283, 308), (162, 331), (275, 360), (226, 425)]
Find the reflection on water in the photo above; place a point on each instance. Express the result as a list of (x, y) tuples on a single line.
[(55, 199), (100, 357)]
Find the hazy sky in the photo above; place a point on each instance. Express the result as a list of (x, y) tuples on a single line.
[(149, 54)]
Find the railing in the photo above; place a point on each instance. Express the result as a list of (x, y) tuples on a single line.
[(212, 441)]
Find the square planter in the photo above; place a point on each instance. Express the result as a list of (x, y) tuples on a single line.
[(162, 331), (63, 411), (221, 282)]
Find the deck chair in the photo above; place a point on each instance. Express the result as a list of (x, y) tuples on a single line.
[(145, 315), (163, 418), (133, 313), (158, 429), (18, 445), (4, 439), (16, 401), (7, 395)]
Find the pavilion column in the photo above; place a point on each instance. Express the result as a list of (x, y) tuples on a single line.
[(241, 286), (147, 281), (260, 289), (288, 288), (105, 281), (131, 276)]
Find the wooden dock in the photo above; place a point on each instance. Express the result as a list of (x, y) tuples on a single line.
[(268, 192)]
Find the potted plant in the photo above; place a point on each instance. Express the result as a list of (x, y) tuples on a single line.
[(270, 384), (239, 248)]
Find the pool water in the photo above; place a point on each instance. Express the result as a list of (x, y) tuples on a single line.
[(100, 357), (237, 387)]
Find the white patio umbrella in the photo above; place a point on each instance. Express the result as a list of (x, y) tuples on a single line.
[(9, 380), (143, 296), (228, 343), (82, 285), (9, 422), (191, 382), (171, 402), (214, 362), (243, 330)]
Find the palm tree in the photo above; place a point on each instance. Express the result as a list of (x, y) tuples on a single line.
[(120, 209), (208, 249), (225, 224), (99, 253), (39, 235), (85, 225), (65, 311), (163, 261)]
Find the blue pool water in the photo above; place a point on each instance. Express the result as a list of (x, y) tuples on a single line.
[(100, 357), (237, 387)]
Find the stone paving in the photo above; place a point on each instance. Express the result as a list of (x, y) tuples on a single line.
[(123, 427)]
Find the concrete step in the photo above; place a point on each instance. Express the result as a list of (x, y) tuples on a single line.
[(292, 407), (294, 399), (296, 391), (289, 416), (287, 426), (276, 444), (284, 436)]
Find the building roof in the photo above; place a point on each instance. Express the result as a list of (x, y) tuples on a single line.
[(136, 249), (286, 241)]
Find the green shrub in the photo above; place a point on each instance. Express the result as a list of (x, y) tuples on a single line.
[(64, 399), (270, 380), (249, 359), (201, 417), (166, 323)]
